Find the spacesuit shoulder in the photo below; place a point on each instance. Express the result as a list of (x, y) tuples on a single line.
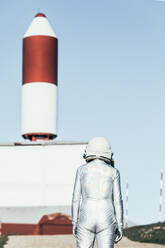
[(116, 173), (80, 168)]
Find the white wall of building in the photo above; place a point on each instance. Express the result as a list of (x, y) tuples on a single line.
[(39, 175)]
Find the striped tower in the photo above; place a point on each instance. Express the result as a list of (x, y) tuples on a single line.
[(126, 212), (39, 82), (161, 196)]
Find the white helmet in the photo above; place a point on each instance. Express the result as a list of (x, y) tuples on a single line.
[(98, 148)]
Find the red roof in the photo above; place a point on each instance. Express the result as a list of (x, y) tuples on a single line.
[(56, 218)]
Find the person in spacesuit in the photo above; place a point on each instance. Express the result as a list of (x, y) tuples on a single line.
[(97, 206)]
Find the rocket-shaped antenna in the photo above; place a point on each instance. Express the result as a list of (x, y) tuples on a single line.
[(39, 82)]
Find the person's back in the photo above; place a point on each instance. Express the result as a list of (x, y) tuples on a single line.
[(97, 187), (97, 209)]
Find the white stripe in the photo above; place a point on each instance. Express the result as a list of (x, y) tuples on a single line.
[(38, 107), (161, 184), (40, 26)]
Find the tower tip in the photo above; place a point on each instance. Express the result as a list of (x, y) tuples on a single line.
[(40, 15)]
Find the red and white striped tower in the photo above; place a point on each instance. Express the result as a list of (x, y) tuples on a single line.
[(39, 82), (126, 212), (161, 196)]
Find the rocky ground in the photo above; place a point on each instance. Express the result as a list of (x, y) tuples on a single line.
[(62, 241)]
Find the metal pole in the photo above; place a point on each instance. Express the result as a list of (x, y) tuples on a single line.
[(161, 196), (126, 213)]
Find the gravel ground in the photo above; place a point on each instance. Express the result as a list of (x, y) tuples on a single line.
[(62, 241)]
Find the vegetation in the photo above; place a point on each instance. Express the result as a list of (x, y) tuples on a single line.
[(4, 239), (153, 233)]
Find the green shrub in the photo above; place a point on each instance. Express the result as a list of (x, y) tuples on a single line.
[(153, 233), (3, 240)]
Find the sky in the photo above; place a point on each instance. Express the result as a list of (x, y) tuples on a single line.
[(111, 83)]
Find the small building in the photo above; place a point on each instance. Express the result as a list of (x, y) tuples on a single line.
[(56, 223)]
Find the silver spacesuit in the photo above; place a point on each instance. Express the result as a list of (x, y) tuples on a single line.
[(97, 208)]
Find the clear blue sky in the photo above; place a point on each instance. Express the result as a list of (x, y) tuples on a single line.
[(111, 83)]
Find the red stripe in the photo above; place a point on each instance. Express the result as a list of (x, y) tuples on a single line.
[(36, 135), (40, 57)]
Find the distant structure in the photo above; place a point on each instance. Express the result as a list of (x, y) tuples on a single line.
[(161, 196), (0, 227), (55, 223), (126, 212), (39, 82)]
